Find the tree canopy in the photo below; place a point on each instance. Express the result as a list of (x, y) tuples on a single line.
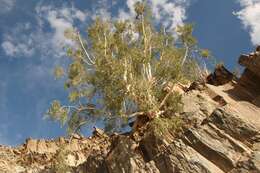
[(125, 68)]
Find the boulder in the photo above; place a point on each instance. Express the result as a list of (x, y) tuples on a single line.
[(220, 76)]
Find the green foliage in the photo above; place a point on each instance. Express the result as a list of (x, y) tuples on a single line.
[(139, 8), (185, 34), (191, 71), (163, 125), (57, 112), (205, 53), (123, 67), (173, 104), (58, 72), (59, 165)]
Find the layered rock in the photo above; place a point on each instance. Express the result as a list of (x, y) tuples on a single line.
[(221, 135), (251, 61), (250, 79)]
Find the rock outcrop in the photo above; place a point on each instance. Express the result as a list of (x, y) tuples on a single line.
[(251, 76), (221, 135)]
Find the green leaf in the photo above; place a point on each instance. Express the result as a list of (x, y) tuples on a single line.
[(205, 53), (58, 72), (73, 96)]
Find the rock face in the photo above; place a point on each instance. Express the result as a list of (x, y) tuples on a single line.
[(220, 76), (251, 76), (221, 135)]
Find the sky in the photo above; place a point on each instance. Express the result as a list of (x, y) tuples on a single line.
[(32, 44)]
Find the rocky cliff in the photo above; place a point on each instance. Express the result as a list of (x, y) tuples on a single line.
[(221, 134)]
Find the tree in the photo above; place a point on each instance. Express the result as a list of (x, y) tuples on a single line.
[(125, 68)]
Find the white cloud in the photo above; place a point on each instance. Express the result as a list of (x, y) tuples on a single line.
[(101, 8), (170, 13), (27, 40), (16, 49), (17, 42), (250, 18), (6, 5), (59, 20)]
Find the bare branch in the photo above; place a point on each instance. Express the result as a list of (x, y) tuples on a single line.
[(85, 61), (164, 32), (166, 97), (143, 27), (135, 114), (105, 44), (186, 55), (149, 71), (76, 129), (86, 52)]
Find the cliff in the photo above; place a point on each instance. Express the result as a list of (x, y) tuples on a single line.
[(221, 134)]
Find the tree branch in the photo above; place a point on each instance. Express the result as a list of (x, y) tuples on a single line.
[(76, 129), (85, 61), (82, 45), (143, 27), (186, 54), (135, 114), (105, 44), (166, 97)]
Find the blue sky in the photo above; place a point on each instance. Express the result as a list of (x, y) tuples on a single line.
[(31, 44)]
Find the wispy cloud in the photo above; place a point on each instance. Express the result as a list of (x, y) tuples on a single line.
[(59, 20), (250, 18), (17, 44), (170, 13), (27, 40), (6, 5)]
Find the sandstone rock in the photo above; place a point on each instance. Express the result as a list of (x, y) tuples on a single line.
[(98, 132), (71, 160), (31, 145), (235, 124), (151, 167), (251, 62), (74, 145), (250, 79), (256, 101), (197, 106), (251, 82), (124, 157), (256, 160), (95, 163), (216, 146), (52, 147), (61, 140), (183, 159), (42, 147), (220, 76), (76, 136)]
